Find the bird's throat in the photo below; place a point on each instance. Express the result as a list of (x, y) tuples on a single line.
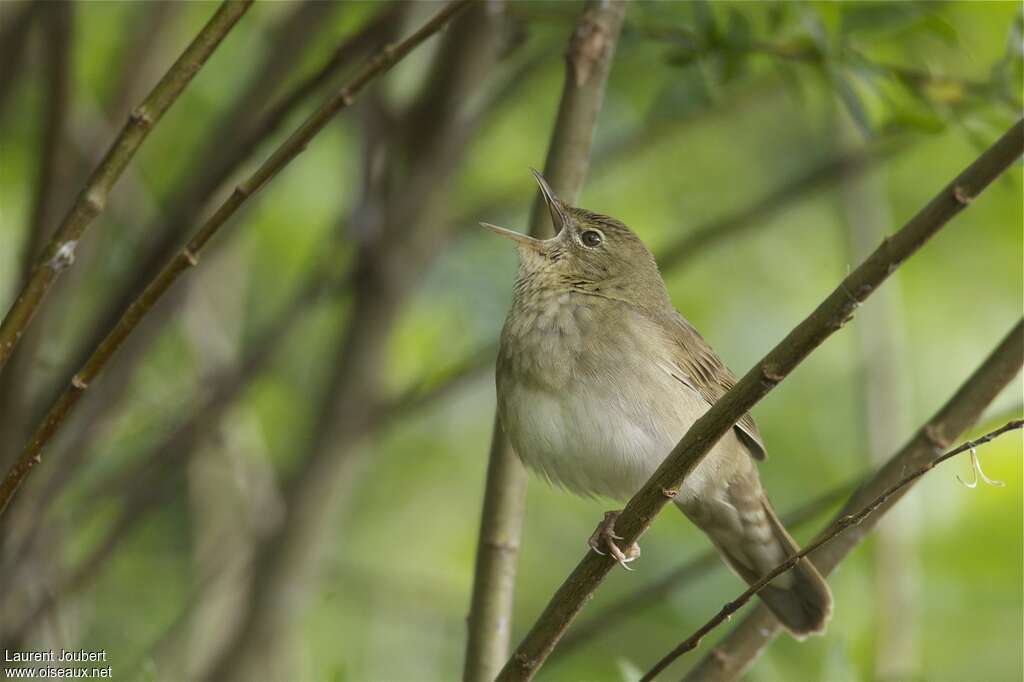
[(546, 332)]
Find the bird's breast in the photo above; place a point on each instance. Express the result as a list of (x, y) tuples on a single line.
[(585, 394)]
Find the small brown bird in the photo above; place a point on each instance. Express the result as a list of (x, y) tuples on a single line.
[(599, 377)]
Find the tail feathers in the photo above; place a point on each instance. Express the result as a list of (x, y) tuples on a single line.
[(799, 598), (803, 608)]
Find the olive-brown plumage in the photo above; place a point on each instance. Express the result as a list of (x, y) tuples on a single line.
[(598, 377)]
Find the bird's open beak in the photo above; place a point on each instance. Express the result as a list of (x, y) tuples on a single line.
[(520, 239), (554, 204)]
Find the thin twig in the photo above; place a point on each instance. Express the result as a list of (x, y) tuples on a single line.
[(844, 522), (60, 252), (827, 318), (189, 256), (734, 654), (588, 64)]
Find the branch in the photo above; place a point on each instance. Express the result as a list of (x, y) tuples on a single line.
[(588, 63), (826, 319), (60, 252), (189, 256), (684, 575), (731, 656), (841, 524)]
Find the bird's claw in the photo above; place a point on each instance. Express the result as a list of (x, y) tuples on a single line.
[(604, 537)]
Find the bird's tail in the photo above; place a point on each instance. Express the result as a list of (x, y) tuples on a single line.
[(799, 598)]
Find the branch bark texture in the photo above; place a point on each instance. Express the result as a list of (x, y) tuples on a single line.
[(189, 256), (588, 63), (59, 253), (735, 653), (826, 319)]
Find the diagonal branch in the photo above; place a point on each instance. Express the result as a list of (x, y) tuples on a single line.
[(189, 256), (588, 63), (734, 654), (60, 252), (841, 524), (685, 574), (826, 319)]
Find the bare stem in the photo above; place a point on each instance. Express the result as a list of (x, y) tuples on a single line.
[(59, 253), (826, 319), (588, 64), (841, 524), (189, 256)]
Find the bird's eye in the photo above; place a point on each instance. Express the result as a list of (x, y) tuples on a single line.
[(591, 238)]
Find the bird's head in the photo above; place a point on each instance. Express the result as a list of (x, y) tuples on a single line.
[(590, 252)]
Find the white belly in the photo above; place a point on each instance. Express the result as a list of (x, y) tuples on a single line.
[(603, 442)]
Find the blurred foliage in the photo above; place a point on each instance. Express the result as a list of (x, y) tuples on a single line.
[(720, 103)]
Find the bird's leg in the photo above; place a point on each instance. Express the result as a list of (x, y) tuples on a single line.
[(604, 537)]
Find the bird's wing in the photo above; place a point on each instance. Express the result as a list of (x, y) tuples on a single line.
[(704, 372)]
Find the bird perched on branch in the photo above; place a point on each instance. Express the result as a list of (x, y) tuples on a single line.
[(599, 377)]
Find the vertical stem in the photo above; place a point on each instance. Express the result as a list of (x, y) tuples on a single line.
[(497, 554), (49, 190), (588, 63), (885, 420)]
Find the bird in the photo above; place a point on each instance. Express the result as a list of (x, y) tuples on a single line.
[(598, 376)]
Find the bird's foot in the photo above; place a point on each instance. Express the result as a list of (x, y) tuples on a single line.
[(604, 537)]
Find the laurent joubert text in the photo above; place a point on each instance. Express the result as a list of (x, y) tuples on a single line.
[(64, 656)]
